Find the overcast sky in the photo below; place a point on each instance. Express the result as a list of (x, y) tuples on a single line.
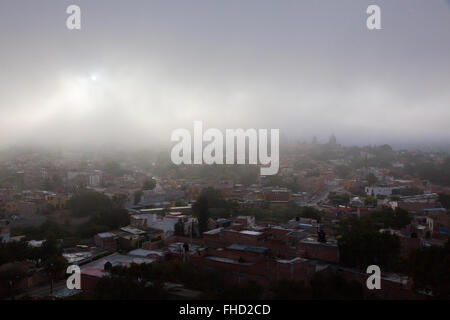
[(139, 69)]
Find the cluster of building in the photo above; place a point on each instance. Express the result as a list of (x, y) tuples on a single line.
[(240, 250), (162, 226)]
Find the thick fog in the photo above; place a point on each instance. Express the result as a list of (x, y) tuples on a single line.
[(139, 69)]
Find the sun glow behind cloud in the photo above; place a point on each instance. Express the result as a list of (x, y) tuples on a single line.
[(306, 68)]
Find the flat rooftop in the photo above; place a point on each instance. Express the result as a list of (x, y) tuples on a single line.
[(132, 230), (242, 247), (145, 253), (116, 259), (252, 233), (214, 231), (228, 260)]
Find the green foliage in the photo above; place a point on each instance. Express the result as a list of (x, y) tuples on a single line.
[(208, 200), (429, 268), (105, 214), (55, 266), (89, 202), (438, 173), (407, 191), (361, 245), (397, 219), (137, 196), (149, 184), (201, 211), (179, 228), (49, 249), (11, 273), (103, 218), (15, 251), (339, 198), (370, 201), (273, 181), (104, 221), (46, 230), (309, 212), (20, 251)]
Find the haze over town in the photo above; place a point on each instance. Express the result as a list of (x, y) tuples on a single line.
[(136, 71)]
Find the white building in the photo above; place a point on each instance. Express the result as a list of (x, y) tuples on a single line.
[(165, 223), (379, 191), (94, 179)]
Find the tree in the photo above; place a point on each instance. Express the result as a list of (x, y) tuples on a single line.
[(311, 213), (11, 274), (429, 268), (88, 202), (137, 196), (49, 249), (397, 219), (149, 184), (370, 201), (361, 244), (371, 179), (14, 251), (209, 201), (339, 198), (179, 228), (201, 210), (54, 267)]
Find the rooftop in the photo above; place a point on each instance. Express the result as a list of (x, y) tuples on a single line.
[(144, 253), (106, 235), (116, 260), (241, 247), (214, 231), (132, 230), (227, 260), (253, 233)]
